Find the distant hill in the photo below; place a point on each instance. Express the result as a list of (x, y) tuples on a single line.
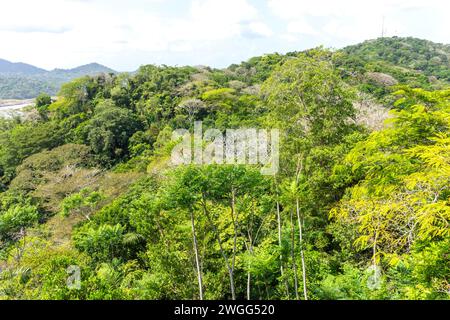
[(7, 67), (88, 69), (375, 65), (24, 81), (426, 57)]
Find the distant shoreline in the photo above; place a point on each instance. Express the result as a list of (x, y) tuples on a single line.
[(9, 107), (12, 103)]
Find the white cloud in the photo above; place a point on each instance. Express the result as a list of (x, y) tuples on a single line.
[(291, 9), (289, 37), (255, 29), (125, 34), (71, 31), (300, 26), (213, 20), (356, 20)]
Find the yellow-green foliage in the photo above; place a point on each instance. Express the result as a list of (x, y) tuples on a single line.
[(404, 192)]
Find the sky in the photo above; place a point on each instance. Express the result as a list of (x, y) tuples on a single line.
[(126, 34)]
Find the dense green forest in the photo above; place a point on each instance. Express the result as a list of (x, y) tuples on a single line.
[(359, 209)]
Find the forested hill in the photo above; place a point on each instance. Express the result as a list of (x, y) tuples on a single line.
[(359, 208), (372, 66), (24, 81), (429, 58)]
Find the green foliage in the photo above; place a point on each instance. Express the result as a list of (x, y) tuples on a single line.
[(430, 58), (88, 184), (375, 66), (307, 94), (103, 244), (24, 140), (83, 203), (49, 176), (43, 101), (401, 198), (15, 216), (108, 132)]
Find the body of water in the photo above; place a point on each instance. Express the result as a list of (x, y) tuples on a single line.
[(10, 108)]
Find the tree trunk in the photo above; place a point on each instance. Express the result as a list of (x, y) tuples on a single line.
[(249, 274), (197, 260), (300, 227), (305, 292), (281, 248), (294, 264), (249, 279)]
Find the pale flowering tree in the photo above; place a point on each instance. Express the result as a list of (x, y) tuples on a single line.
[(191, 107)]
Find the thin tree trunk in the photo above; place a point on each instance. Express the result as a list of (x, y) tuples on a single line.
[(250, 251), (305, 292), (197, 260), (259, 292), (294, 264), (374, 249), (281, 248), (300, 228), (249, 274), (249, 279)]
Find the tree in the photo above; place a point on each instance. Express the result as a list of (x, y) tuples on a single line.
[(313, 106), (43, 101), (192, 107), (104, 243), (182, 193), (24, 140), (83, 203), (15, 217), (109, 131)]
